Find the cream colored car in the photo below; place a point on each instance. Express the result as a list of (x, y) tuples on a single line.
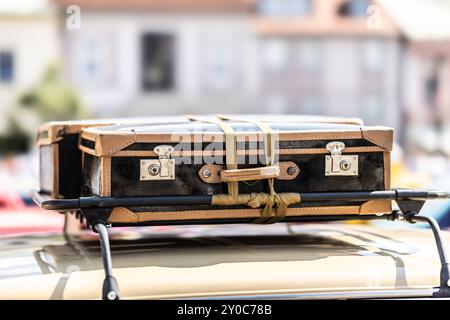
[(296, 261)]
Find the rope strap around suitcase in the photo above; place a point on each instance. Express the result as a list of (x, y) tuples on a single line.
[(279, 201), (230, 149)]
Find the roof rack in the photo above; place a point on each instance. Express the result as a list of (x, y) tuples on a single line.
[(96, 210)]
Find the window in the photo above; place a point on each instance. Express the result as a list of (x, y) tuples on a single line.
[(157, 62), (95, 66), (276, 103), (275, 55), (309, 55), (285, 7), (371, 108), (219, 65), (354, 8), (6, 67), (372, 56), (432, 80)]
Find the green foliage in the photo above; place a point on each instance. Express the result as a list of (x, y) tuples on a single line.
[(53, 99), (15, 141)]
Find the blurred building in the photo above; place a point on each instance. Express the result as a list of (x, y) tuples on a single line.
[(385, 61), (29, 42), (288, 56), (425, 83), (162, 57), (332, 57), (239, 55)]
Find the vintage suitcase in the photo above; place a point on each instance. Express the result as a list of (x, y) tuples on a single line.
[(251, 167), (60, 157)]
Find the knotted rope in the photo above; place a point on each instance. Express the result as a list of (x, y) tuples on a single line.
[(279, 201)]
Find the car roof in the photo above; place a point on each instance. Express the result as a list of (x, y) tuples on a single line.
[(295, 260)]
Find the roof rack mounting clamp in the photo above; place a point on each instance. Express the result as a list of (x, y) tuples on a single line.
[(444, 289), (95, 216), (408, 206)]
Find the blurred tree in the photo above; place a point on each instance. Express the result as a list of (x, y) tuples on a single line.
[(16, 140), (53, 99)]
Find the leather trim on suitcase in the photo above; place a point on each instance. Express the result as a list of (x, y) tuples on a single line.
[(105, 190), (213, 153), (55, 157), (125, 215), (110, 143), (376, 207), (387, 170)]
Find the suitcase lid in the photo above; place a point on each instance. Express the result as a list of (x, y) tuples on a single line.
[(110, 140), (54, 131)]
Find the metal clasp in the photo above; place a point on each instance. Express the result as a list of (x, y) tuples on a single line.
[(338, 164), (161, 169)]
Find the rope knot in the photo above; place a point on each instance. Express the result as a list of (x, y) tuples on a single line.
[(259, 199)]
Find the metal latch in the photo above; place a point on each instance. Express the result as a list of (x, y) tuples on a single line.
[(159, 169), (338, 164)]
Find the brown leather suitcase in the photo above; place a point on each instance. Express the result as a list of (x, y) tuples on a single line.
[(250, 167)]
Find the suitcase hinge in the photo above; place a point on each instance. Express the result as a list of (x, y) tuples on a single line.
[(161, 169), (338, 164)]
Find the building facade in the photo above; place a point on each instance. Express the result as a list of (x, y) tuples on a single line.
[(324, 57), (425, 82), (368, 58), (153, 58)]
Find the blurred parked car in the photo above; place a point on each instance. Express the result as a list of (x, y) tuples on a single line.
[(19, 215), (440, 210)]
